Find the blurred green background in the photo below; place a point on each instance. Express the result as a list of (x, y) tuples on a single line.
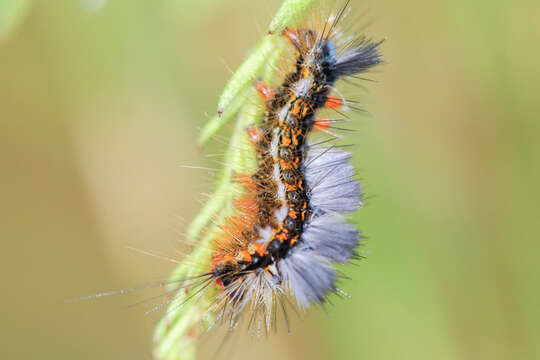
[(100, 104)]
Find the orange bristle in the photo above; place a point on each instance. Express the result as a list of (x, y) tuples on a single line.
[(322, 124), (333, 102)]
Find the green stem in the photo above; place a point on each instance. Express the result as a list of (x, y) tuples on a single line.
[(185, 318)]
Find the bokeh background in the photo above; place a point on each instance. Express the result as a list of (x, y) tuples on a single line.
[(100, 105)]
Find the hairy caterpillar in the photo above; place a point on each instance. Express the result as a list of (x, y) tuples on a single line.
[(289, 229)]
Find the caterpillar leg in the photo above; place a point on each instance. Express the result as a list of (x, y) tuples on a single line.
[(291, 35), (264, 90), (253, 134)]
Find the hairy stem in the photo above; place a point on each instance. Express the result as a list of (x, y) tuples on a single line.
[(187, 316)]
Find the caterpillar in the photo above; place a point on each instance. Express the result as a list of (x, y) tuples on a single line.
[(290, 229)]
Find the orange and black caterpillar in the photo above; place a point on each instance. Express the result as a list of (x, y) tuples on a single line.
[(290, 229)]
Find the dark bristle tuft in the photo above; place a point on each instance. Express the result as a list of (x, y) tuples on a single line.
[(358, 59)]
